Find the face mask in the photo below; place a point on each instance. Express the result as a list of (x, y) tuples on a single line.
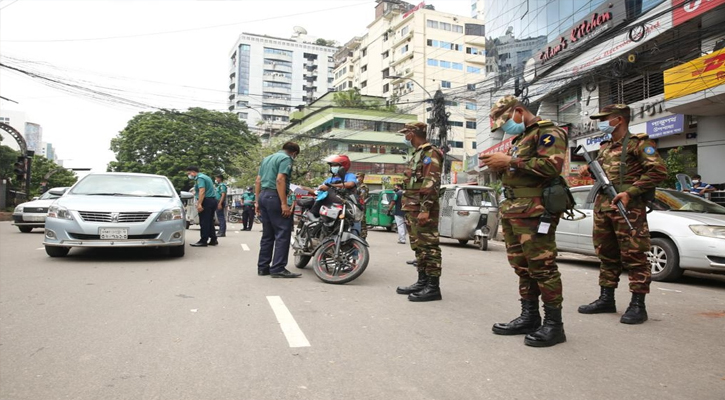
[(695, 181), (605, 128), (407, 142), (192, 177), (511, 127), (334, 170)]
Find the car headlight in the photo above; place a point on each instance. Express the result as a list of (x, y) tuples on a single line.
[(59, 212), (170, 215), (18, 210), (713, 231)]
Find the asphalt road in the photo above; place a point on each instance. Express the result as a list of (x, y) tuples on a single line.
[(126, 324)]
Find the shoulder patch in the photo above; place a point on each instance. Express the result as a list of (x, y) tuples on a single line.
[(547, 140), (426, 160), (649, 150), (545, 122)]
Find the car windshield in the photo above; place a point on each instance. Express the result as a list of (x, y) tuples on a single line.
[(672, 200), (123, 185), (48, 196)]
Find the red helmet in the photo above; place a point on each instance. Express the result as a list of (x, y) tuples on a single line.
[(339, 159)]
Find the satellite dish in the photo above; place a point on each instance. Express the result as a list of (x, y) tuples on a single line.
[(509, 31), (530, 70), (300, 30)]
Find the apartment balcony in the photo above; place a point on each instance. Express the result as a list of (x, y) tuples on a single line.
[(232, 75), (476, 59), (231, 96), (309, 88), (276, 78), (275, 100), (475, 40), (274, 56), (232, 86), (271, 89), (277, 112), (231, 108), (272, 66), (310, 66)]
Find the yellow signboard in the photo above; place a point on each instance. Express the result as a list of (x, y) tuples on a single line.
[(379, 179), (694, 76)]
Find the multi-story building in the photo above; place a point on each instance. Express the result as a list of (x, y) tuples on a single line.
[(271, 76), (408, 53), (477, 9), (47, 150)]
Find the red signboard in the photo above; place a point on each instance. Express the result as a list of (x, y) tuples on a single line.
[(502, 147), (685, 10), (414, 9)]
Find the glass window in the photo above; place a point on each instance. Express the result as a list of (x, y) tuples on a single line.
[(471, 106), (470, 124), (432, 24), (432, 62), (404, 49), (445, 64), (473, 70), (445, 26), (404, 31), (446, 84), (458, 66), (471, 87)]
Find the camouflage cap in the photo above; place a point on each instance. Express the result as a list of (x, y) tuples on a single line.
[(415, 127), (498, 114), (612, 109)]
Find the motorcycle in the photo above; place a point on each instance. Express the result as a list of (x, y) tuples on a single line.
[(339, 255), (234, 216)]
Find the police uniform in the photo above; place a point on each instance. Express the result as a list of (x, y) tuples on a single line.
[(633, 165), (537, 158), (421, 184)]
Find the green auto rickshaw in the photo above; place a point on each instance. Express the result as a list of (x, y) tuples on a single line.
[(376, 209)]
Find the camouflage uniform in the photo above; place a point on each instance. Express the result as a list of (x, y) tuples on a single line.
[(421, 183), (614, 245), (538, 156), (363, 193)]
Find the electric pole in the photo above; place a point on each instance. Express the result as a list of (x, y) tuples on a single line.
[(440, 122)]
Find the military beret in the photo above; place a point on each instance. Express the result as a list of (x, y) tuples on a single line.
[(415, 127), (498, 111), (612, 109)]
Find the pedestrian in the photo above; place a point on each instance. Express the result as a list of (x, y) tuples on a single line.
[(536, 157), (248, 201), (206, 205), (396, 208), (633, 165), (420, 202), (363, 193), (699, 188), (221, 196), (271, 188)]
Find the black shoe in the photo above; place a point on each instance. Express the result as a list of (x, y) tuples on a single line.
[(529, 320), (636, 312), (604, 304), (221, 235), (262, 272), (550, 333), (412, 262), (285, 274), (416, 287), (430, 292), (213, 242), (198, 244)]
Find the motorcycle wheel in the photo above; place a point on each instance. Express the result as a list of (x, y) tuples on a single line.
[(302, 261), (354, 258), (233, 218)]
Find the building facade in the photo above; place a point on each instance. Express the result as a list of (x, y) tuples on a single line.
[(271, 76)]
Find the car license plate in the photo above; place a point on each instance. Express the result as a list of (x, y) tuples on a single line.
[(34, 218), (113, 233)]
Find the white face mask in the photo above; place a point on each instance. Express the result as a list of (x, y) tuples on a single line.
[(695, 181)]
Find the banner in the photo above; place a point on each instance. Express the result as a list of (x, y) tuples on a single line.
[(666, 126), (685, 10), (695, 76)]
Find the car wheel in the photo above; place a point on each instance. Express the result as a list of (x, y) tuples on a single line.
[(389, 228), (25, 229), (463, 242), (55, 251), (483, 244), (664, 260), (188, 224), (177, 251)]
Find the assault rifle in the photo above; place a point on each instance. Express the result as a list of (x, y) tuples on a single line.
[(606, 185)]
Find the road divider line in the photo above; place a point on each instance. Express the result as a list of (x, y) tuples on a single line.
[(293, 333), (245, 247)]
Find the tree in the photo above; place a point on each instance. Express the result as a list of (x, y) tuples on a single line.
[(166, 142), (323, 42), (8, 157), (41, 167), (352, 98), (678, 161)]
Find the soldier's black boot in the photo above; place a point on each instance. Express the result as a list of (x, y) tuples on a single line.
[(604, 304), (416, 287), (551, 332), (527, 322), (431, 291), (636, 312)]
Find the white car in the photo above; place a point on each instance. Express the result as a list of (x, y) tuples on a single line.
[(31, 214), (117, 210), (688, 232)]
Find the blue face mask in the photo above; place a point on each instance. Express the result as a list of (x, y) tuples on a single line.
[(335, 170), (407, 142), (605, 128), (511, 127), (192, 177)]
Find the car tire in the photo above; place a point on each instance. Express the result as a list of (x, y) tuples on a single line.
[(462, 242), (389, 228), (664, 260), (56, 251), (188, 224), (177, 251), (483, 244), (25, 229)]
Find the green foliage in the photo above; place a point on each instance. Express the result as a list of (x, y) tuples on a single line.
[(678, 161), (323, 42), (166, 142), (353, 99), (41, 167), (8, 157)]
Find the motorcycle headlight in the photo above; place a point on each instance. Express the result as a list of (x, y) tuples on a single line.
[(18, 210), (59, 212), (170, 215), (712, 231)]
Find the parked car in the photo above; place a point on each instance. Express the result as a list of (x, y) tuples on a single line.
[(117, 210), (688, 232), (32, 214)]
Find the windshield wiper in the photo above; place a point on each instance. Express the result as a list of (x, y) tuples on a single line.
[(107, 194)]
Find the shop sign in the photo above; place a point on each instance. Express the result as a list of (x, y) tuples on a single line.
[(697, 75), (666, 126), (414, 9), (456, 166), (380, 179), (685, 10), (592, 143)]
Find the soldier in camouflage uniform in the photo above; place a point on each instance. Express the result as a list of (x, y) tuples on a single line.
[(422, 183), (635, 175), (536, 158), (362, 194)]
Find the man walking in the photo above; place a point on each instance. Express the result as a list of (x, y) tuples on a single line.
[(221, 196), (536, 157), (420, 202), (206, 205), (633, 165), (248, 201), (362, 194), (271, 190), (396, 208)]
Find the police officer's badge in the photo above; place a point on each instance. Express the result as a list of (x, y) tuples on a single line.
[(649, 150), (426, 160), (547, 140)]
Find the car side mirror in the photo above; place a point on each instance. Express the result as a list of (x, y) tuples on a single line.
[(186, 195), (36, 198), (57, 192)]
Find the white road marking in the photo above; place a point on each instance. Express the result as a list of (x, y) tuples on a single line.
[(40, 248), (293, 333), (245, 247)]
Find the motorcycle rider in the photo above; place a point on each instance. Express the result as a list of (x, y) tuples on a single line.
[(340, 179)]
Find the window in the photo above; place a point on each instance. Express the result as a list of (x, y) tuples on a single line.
[(471, 106), (451, 103), (363, 84), (470, 124), (475, 30), (455, 123), (473, 70), (457, 28), (409, 86), (471, 87), (404, 49), (364, 52), (458, 66), (445, 64), (446, 84), (386, 73), (445, 26), (385, 37), (243, 115), (386, 88), (355, 148), (473, 145), (404, 31), (432, 62), (432, 24), (386, 54), (364, 68)]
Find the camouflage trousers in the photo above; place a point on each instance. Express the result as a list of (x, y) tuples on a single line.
[(424, 241), (533, 257), (618, 251), (364, 225)]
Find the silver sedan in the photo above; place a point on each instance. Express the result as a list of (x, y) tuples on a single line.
[(117, 210), (688, 232)]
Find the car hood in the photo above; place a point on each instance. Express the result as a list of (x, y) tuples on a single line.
[(38, 203), (117, 203), (707, 219)]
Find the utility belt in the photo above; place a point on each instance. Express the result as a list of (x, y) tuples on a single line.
[(521, 193)]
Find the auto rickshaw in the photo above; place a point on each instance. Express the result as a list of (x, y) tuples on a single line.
[(467, 213), (376, 209)]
